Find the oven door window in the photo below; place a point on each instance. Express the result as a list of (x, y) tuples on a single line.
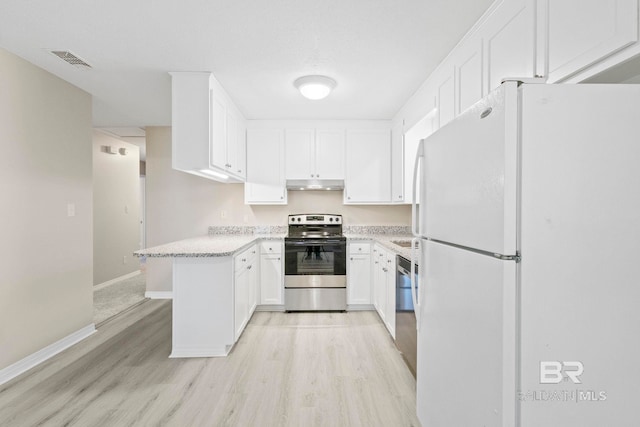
[(317, 258)]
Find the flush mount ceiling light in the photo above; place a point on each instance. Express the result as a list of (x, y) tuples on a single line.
[(315, 87)]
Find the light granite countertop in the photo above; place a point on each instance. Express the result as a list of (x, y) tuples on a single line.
[(385, 240), (217, 245)]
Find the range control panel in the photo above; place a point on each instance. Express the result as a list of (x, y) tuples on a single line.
[(315, 219)]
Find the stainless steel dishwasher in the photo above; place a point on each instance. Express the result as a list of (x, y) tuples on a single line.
[(406, 334)]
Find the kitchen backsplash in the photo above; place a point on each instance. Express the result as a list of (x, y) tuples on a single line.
[(235, 229), (376, 229)]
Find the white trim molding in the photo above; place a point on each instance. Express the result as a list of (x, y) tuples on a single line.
[(23, 365), (158, 294), (117, 279)]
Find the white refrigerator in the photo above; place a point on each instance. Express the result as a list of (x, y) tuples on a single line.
[(528, 306)]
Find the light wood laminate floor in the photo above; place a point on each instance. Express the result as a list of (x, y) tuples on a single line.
[(287, 369)]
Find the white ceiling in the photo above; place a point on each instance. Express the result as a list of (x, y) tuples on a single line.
[(379, 51)]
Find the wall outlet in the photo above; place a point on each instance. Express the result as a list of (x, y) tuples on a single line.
[(124, 259), (223, 214), (71, 209), (126, 209)]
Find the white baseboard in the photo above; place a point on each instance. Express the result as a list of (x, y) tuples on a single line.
[(117, 279), (267, 307), (23, 365), (200, 352), (159, 294)]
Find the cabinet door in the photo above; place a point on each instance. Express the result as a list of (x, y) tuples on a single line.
[(359, 279), (329, 154), (253, 281), (380, 280), (509, 42), (397, 164), (241, 150), (390, 288), (218, 132), (265, 167), (232, 143), (581, 33), (271, 285), (299, 145), (468, 75), (241, 300), (446, 100), (368, 166)]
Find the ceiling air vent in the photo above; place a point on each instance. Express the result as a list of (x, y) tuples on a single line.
[(70, 58)]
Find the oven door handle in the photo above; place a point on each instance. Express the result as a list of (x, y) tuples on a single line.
[(313, 242)]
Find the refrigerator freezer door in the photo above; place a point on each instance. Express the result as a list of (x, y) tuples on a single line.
[(580, 282), (469, 177), (466, 342)]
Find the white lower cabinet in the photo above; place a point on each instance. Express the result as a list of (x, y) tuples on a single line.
[(244, 288), (384, 288), (359, 274), (271, 283)]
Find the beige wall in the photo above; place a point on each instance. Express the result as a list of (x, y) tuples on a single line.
[(180, 205), (45, 137), (116, 209)]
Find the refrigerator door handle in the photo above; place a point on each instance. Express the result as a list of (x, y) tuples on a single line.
[(414, 289), (415, 223)]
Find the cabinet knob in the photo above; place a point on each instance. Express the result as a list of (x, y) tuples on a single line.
[(359, 249), (281, 197), (348, 198), (249, 267), (389, 261), (278, 258), (318, 175), (311, 175), (351, 258), (244, 260)]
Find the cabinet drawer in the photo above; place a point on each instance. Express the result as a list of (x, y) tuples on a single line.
[(271, 247), (244, 258), (359, 248)]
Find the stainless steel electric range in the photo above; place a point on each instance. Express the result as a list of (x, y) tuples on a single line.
[(315, 264)]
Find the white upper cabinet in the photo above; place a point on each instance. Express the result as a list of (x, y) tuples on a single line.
[(509, 42), (397, 163), (234, 149), (265, 167), (468, 69), (218, 132), (446, 100), (580, 33), (204, 128), (299, 148), (329, 154), (314, 154), (368, 166)]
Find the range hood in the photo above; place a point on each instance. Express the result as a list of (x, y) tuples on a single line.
[(315, 184)]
